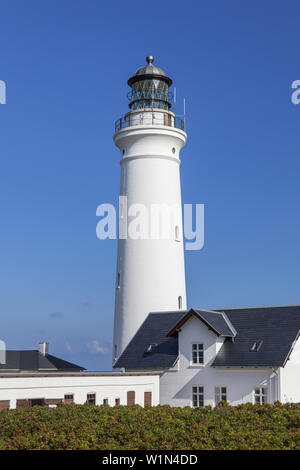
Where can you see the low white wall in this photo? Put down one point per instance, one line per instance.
(104, 386)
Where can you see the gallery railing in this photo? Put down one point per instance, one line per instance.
(149, 118)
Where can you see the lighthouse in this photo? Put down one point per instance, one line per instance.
(150, 273)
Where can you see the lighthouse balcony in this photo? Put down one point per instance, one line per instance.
(149, 117)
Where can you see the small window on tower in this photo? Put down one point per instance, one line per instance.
(180, 302)
(118, 280)
(177, 237)
(173, 150)
(123, 151)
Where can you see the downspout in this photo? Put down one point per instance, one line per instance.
(277, 383)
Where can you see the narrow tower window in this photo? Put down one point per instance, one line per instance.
(177, 238)
(180, 302)
(118, 280)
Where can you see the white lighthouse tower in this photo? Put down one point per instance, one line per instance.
(150, 265)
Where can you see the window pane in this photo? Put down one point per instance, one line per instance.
(197, 395)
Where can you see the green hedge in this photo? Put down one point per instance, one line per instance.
(161, 427)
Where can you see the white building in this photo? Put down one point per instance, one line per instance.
(29, 378)
(240, 355)
(113, 389)
(175, 356)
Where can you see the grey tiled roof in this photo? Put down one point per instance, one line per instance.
(152, 332)
(274, 328)
(34, 361)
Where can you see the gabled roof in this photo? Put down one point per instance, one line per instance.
(273, 329)
(164, 351)
(216, 321)
(35, 361)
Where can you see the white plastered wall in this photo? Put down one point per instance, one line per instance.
(150, 272)
(176, 387)
(290, 377)
(111, 387)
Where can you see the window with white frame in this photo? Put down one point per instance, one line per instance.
(197, 353)
(197, 395)
(220, 394)
(260, 395)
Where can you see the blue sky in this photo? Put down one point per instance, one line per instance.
(66, 65)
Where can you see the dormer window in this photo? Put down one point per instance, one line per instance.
(151, 347)
(256, 345)
(197, 354)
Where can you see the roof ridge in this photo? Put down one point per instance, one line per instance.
(207, 310)
(256, 307)
(169, 311)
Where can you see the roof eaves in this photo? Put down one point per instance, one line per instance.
(291, 349)
(206, 322)
(174, 330)
(226, 319)
(229, 324)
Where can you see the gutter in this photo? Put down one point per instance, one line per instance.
(278, 391)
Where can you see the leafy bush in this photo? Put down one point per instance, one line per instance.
(161, 427)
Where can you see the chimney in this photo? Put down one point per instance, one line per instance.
(43, 348)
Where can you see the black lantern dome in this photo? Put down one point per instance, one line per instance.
(150, 87)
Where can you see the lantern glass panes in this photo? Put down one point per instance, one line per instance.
(149, 94)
